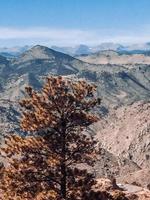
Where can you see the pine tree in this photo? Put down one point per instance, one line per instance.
(45, 164)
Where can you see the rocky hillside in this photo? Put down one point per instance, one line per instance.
(30, 67)
(125, 92)
(117, 85)
(124, 191)
(125, 133)
(114, 57)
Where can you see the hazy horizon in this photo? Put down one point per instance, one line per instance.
(70, 46)
(73, 22)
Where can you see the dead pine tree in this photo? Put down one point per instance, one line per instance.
(45, 164)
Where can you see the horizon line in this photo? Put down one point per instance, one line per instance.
(10, 36)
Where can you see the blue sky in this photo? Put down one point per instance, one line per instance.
(72, 22)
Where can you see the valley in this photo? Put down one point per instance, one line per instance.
(123, 84)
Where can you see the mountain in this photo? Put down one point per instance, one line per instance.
(141, 48)
(32, 65)
(114, 57)
(3, 60)
(7, 55)
(125, 93)
(125, 133)
(76, 50)
(107, 46)
(130, 126)
(13, 51)
(44, 60)
(4, 67)
(84, 49)
(117, 84)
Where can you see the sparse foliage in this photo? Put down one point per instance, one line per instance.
(43, 164)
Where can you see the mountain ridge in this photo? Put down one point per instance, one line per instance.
(120, 87)
(40, 61)
(82, 49)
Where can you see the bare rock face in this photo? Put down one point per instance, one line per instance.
(125, 136)
(126, 132)
(111, 165)
(139, 178)
(123, 192)
(140, 195)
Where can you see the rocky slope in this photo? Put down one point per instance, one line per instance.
(31, 66)
(114, 57)
(117, 84)
(122, 191)
(139, 178)
(125, 92)
(125, 133)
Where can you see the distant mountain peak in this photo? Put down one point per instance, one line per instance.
(38, 52)
(41, 48)
(43, 60)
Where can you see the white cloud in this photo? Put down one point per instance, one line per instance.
(51, 36)
(62, 36)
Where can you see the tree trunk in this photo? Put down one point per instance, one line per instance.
(63, 164)
(63, 181)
